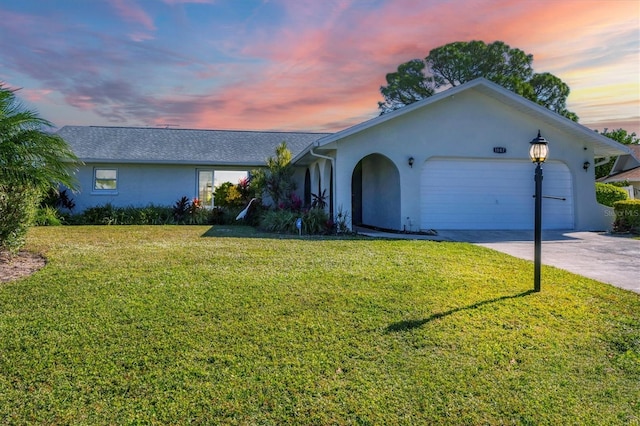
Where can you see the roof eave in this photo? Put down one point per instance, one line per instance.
(174, 162)
(317, 146)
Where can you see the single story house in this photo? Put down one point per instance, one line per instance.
(456, 160)
(626, 168)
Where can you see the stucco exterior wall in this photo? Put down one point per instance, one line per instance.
(467, 125)
(140, 185)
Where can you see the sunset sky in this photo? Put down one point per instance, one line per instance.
(312, 65)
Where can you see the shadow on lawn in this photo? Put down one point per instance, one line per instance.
(245, 231)
(411, 324)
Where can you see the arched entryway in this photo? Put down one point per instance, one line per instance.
(375, 193)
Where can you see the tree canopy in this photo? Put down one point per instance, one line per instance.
(277, 179)
(457, 63)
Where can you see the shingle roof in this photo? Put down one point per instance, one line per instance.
(635, 150)
(632, 174)
(180, 146)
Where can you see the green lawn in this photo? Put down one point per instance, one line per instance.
(175, 325)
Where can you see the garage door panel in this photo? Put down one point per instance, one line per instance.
(492, 194)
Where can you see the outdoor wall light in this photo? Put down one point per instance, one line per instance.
(538, 152)
(411, 162)
(586, 165)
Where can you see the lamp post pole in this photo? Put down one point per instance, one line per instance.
(538, 153)
(537, 231)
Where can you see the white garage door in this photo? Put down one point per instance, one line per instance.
(493, 194)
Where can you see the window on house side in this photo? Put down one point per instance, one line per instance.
(205, 187)
(105, 179)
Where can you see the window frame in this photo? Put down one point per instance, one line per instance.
(96, 190)
(198, 194)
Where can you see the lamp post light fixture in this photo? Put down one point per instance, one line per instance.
(538, 153)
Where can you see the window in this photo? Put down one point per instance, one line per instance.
(233, 176)
(209, 180)
(205, 187)
(105, 179)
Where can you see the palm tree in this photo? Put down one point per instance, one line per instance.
(32, 161)
(28, 154)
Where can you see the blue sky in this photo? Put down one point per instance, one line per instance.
(294, 64)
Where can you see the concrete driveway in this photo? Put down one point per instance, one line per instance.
(613, 259)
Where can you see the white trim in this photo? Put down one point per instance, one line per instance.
(105, 191)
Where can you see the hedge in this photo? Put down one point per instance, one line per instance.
(608, 194)
(627, 216)
(18, 208)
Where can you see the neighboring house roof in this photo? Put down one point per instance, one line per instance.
(95, 144)
(630, 175)
(627, 161)
(603, 146)
(635, 150)
(626, 167)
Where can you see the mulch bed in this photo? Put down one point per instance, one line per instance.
(19, 265)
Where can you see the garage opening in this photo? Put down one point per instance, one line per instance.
(493, 194)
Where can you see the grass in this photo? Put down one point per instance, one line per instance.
(174, 325)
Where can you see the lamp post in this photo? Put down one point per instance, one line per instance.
(538, 154)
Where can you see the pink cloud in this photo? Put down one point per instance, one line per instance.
(36, 95)
(317, 65)
(326, 76)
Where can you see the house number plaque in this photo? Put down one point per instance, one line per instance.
(499, 149)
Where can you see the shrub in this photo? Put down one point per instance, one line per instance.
(276, 180)
(99, 215)
(230, 195)
(18, 207)
(183, 212)
(47, 216)
(608, 194)
(291, 202)
(319, 200)
(58, 199)
(149, 215)
(110, 215)
(281, 221)
(190, 212)
(181, 209)
(314, 222)
(217, 216)
(627, 216)
(341, 221)
(227, 216)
